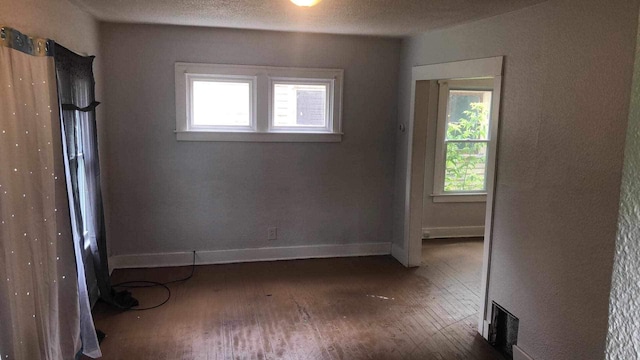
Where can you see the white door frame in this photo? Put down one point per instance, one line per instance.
(411, 254)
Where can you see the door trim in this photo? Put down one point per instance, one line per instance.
(411, 253)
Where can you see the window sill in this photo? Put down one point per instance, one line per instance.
(459, 198)
(257, 137)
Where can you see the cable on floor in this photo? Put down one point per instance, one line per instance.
(137, 284)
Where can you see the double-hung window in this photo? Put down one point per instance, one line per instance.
(464, 140)
(258, 103)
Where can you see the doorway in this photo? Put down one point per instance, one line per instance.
(433, 86)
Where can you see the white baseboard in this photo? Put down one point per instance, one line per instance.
(452, 232)
(485, 329)
(518, 354)
(247, 255)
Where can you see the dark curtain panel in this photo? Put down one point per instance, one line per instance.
(76, 92)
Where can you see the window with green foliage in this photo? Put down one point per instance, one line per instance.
(464, 141)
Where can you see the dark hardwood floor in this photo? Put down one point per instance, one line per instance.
(349, 308)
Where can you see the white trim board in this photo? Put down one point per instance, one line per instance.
(400, 254)
(208, 257)
(452, 232)
(518, 354)
(474, 68)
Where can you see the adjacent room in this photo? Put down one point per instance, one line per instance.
(319, 179)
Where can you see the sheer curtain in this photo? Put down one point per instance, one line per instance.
(39, 303)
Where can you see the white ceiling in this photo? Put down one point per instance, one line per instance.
(361, 17)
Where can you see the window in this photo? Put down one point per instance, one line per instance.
(464, 141)
(221, 104)
(80, 164)
(300, 105)
(257, 103)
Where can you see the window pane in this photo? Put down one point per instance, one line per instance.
(465, 167)
(221, 103)
(468, 114)
(299, 105)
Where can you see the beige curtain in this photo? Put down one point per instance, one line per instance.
(39, 315)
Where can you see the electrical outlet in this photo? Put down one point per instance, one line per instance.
(272, 234)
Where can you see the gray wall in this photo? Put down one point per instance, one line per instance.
(624, 319)
(565, 101)
(440, 216)
(180, 196)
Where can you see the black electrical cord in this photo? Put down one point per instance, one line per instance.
(147, 284)
(137, 284)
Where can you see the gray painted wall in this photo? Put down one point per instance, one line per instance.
(623, 341)
(171, 196)
(565, 102)
(440, 215)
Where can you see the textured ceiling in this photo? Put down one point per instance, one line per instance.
(362, 17)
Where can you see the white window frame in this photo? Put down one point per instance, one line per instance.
(329, 83)
(262, 79)
(439, 194)
(251, 80)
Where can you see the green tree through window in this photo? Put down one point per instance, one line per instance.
(466, 146)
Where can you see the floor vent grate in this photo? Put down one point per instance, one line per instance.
(503, 333)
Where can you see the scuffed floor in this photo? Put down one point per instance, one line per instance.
(350, 308)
